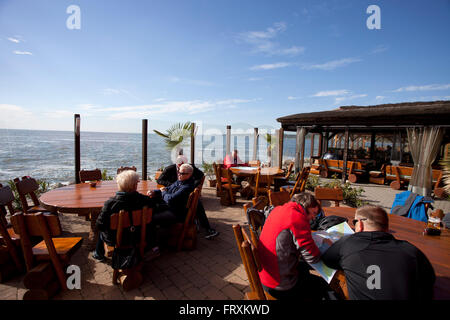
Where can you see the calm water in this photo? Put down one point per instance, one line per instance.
(49, 155)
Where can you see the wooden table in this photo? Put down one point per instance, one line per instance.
(84, 200)
(436, 248)
(267, 172)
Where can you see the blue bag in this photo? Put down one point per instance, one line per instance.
(410, 205)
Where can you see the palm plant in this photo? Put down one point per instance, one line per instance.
(176, 134)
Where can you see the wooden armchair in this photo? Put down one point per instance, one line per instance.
(10, 253)
(119, 170)
(27, 187)
(226, 190)
(130, 278)
(281, 181)
(90, 175)
(250, 259)
(56, 250)
(255, 221)
(184, 235)
(279, 198)
(331, 194)
(262, 183)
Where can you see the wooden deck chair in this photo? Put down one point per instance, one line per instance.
(184, 235)
(130, 278)
(300, 182)
(27, 187)
(332, 194)
(90, 175)
(119, 170)
(250, 259)
(10, 254)
(262, 183)
(226, 190)
(278, 198)
(57, 250)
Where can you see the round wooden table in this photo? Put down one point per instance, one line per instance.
(84, 200)
(436, 248)
(251, 171)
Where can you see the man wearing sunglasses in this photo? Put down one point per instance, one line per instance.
(376, 265)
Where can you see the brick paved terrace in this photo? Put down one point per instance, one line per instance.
(212, 271)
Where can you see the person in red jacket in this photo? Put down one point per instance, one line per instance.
(232, 160)
(286, 246)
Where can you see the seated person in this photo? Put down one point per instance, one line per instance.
(127, 198)
(170, 175)
(233, 160)
(285, 247)
(404, 271)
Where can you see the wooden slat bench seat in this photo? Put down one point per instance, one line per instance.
(354, 168)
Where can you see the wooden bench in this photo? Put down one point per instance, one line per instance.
(354, 168)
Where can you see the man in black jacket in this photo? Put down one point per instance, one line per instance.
(127, 198)
(170, 176)
(376, 265)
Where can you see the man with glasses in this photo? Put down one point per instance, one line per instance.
(170, 175)
(376, 265)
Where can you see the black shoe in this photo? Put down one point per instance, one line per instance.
(98, 257)
(211, 233)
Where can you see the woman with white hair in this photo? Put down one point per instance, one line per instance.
(126, 198)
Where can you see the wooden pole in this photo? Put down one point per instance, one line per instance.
(372, 145)
(320, 144)
(193, 143)
(144, 148)
(312, 145)
(280, 147)
(255, 144)
(228, 139)
(344, 169)
(77, 147)
(247, 146)
(300, 149)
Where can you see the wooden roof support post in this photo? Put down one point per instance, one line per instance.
(255, 144)
(372, 145)
(320, 144)
(77, 121)
(344, 169)
(280, 147)
(312, 147)
(300, 149)
(228, 139)
(144, 148)
(193, 143)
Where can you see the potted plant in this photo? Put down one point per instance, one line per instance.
(209, 172)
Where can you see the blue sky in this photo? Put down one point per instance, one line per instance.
(213, 62)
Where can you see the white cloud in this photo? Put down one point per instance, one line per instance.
(293, 98)
(191, 82)
(255, 79)
(23, 52)
(270, 66)
(13, 40)
(331, 65)
(331, 93)
(14, 116)
(341, 99)
(379, 97)
(59, 114)
(379, 49)
(262, 41)
(110, 91)
(424, 88)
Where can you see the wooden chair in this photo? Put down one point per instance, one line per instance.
(281, 181)
(57, 250)
(254, 163)
(119, 170)
(262, 183)
(438, 181)
(332, 194)
(226, 190)
(300, 182)
(90, 175)
(250, 259)
(255, 222)
(10, 254)
(279, 198)
(27, 187)
(378, 176)
(130, 278)
(184, 235)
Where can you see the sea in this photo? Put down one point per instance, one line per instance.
(49, 155)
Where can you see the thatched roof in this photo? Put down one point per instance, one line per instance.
(384, 115)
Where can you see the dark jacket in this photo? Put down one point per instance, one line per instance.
(176, 197)
(121, 201)
(405, 272)
(169, 175)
